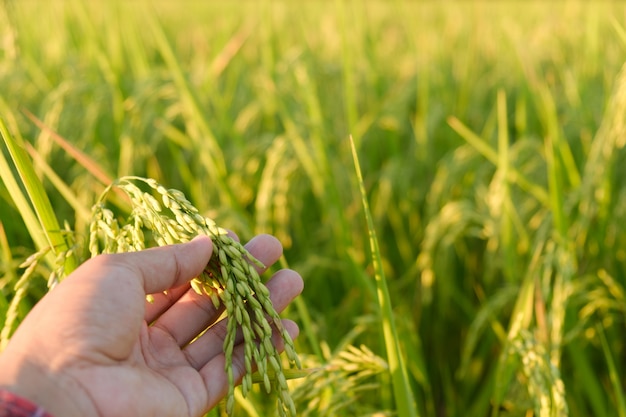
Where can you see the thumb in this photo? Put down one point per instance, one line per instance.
(165, 267)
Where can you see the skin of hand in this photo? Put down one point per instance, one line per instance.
(93, 346)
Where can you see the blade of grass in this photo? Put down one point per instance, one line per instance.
(405, 404)
(555, 132)
(8, 277)
(347, 55)
(16, 193)
(613, 374)
(305, 318)
(81, 211)
(84, 160)
(555, 186)
(492, 156)
(209, 149)
(48, 223)
(21, 202)
(556, 151)
(592, 389)
(88, 163)
(506, 227)
(230, 50)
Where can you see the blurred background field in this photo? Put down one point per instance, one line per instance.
(490, 136)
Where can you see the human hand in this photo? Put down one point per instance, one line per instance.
(94, 347)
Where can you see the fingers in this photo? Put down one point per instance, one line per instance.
(265, 247)
(162, 301)
(191, 313)
(284, 286)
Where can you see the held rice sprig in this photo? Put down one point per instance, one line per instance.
(230, 278)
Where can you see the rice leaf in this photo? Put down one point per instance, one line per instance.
(48, 224)
(616, 383)
(403, 395)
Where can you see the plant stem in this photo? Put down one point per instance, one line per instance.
(399, 377)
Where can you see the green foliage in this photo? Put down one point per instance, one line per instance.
(491, 141)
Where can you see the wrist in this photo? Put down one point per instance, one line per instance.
(14, 405)
(54, 394)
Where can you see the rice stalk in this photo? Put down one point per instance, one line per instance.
(272, 197)
(403, 395)
(503, 206)
(229, 279)
(306, 321)
(12, 183)
(39, 201)
(6, 263)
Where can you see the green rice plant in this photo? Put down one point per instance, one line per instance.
(230, 278)
(614, 377)
(513, 208)
(35, 208)
(339, 385)
(55, 246)
(404, 400)
(541, 378)
(532, 348)
(210, 152)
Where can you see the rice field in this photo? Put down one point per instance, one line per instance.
(491, 277)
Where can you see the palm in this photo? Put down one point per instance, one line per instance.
(156, 370)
